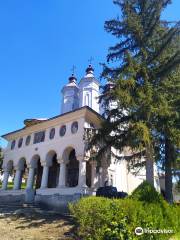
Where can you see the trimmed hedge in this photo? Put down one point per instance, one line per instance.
(100, 218)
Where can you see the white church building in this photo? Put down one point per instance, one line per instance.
(50, 154)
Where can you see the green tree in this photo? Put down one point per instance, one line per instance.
(143, 60)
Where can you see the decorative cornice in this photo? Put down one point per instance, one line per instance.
(66, 117)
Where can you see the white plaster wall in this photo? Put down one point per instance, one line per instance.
(58, 144)
(89, 86)
(127, 180)
(70, 100)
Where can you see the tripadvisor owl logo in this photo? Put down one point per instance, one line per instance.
(139, 231)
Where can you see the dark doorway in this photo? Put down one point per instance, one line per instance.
(72, 170)
(53, 173)
(38, 176)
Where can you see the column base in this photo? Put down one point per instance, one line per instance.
(82, 186)
(29, 195)
(61, 186)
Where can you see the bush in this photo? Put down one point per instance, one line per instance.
(116, 219)
(147, 193)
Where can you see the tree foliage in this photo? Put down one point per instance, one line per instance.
(141, 98)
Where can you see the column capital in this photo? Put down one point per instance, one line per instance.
(16, 167)
(82, 158)
(30, 166)
(44, 164)
(60, 160)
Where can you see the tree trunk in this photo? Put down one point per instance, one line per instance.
(168, 171)
(149, 165)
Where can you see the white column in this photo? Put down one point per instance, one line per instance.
(30, 180)
(17, 180)
(82, 172)
(62, 175)
(5, 180)
(93, 174)
(44, 181)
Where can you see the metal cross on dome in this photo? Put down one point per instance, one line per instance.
(73, 69)
(90, 60)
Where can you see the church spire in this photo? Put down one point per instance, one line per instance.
(72, 78)
(89, 90)
(70, 94)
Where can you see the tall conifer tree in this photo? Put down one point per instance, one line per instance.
(143, 61)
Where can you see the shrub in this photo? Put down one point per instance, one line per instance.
(116, 219)
(147, 193)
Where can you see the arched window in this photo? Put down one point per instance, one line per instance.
(86, 100)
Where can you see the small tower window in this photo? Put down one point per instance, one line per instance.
(86, 100)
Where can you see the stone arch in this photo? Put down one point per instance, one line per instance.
(9, 166)
(8, 170)
(49, 156)
(35, 163)
(22, 168)
(21, 163)
(54, 168)
(72, 167)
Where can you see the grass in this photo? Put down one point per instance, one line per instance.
(176, 236)
(11, 184)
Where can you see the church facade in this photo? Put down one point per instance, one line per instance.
(50, 154)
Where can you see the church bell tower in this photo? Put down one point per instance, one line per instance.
(70, 92)
(89, 90)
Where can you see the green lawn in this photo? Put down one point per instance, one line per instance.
(11, 184)
(176, 237)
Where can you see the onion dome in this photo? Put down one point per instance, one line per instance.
(90, 70)
(72, 79)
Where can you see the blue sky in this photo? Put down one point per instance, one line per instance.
(39, 43)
